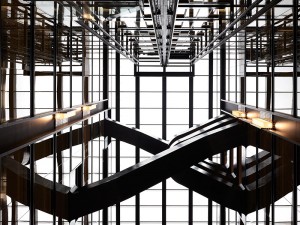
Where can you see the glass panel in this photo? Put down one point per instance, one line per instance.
(251, 89)
(44, 56)
(262, 92)
(283, 94)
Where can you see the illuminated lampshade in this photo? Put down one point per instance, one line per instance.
(65, 114)
(88, 16)
(262, 123)
(239, 114)
(89, 107)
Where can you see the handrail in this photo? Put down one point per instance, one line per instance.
(20, 133)
(285, 126)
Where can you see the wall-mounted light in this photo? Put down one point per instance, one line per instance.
(62, 116)
(65, 114)
(238, 113)
(262, 123)
(88, 16)
(89, 107)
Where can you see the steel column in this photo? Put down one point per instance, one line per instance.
(272, 42)
(32, 58)
(118, 99)
(137, 150)
(164, 136)
(295, 56)
(105, 96)
(295, 106)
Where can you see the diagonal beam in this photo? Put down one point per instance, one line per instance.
(223, 35)
(117, 46)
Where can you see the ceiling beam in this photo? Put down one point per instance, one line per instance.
(163, 15)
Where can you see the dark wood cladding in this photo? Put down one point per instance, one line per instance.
(262, 140)
(289, 128)
(286, 127)
(44, 189)
(140, 177)
(20, 133)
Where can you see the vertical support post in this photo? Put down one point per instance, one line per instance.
(239, 156)
(12, 88)
(222, 97)
(71, 81)
(210, 84)
(295, 186)
(105, 174)
(100, 96)
(273, 186)
(269, 78)
(272, 60)
(257, 196)
(191, 112)
(32, 112)
(54, 150)
(222, 70)
(85, 90)
(32, 215)
(105, 96)
(256, 65)
(2, 105)
(32, 58)
(54, 140)
(137, 113)
(92, 119)
(137, 150)
(191, 122)
(273, 189)
(71, 55)
(164, 136)
(295, 106)
(12, 100)
(236, 68)
(244, 79)
(86, 43)
(210, 104)
(118, 113)
(105, 63)
(239, 165)
(3, 63)
(3, 201)
(295, 57)
(257, 131)
(58, 26)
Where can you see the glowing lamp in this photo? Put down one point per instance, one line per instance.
(65, 114)
(88, 16)
(239, 114)
(89, 107)
(262, 123)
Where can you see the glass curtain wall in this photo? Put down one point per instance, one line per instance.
(47, 66)
(51, 62)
